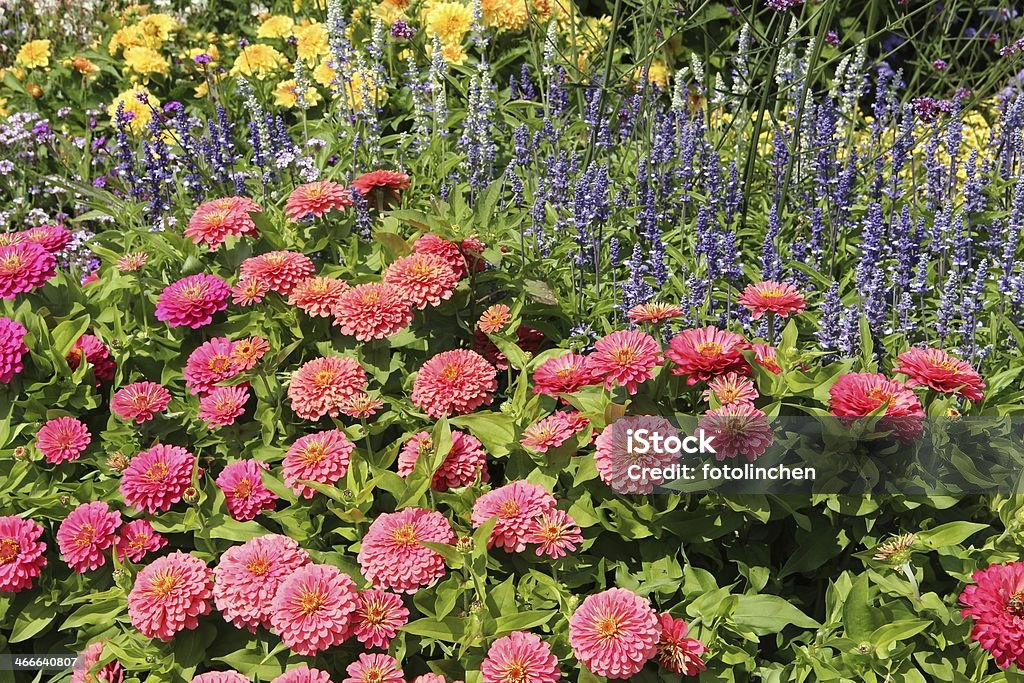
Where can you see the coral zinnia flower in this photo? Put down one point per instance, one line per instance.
(137, 538)
(562, 375)
(90, 529)
(322, 457)
(215, 220)
(995, 601)
(281, 271)
(96, 354)
(626, 357)
(494, 318)
(318, 296)
(552, 431)
(392, 182)
(703, 353)
(303, 674)
(520, 657)
(170, 595)
(312, 608)
(517, 506)
(249, 291)
(614, 457)
(422, 279)
(653, 313)
(210, 364)
(555, 532)
(23, 267)
(454, 383)
(449, 251)
(157, 478)
(110, 672)
(316, 199)
(320, 386)
(373, 310)
(738, 429)
(858, 394)
(780, 298)
(361, 405)
(243, 488)
(375, 668)
(22, 554)
(247, 352)
(140, 401)
(192, 301)
(248, 576)
(764, 355)
(12, 348)
(936, 369)
(464, 461)
(731, 388)
(52, 238)
(614, 633)
(222, 405)
(221, 677)
(378, 618)
(129, 263)
(391, 556)
(676, 652)
(63, 439)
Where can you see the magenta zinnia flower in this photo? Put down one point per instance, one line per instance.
(936, 369)
(303, 674)
(170, 595)
(555, 533)
(222, 405)
(614, 633)
(96, 354)
(374, 668)
(210, 364)
(422, 279)
(157, 478)
(243, 488)
(391, 555)
(90, 529)
(12, 348)
(464, 461)
(22, 554)
(377, 619)
(63, 439)
(86, 671)
(322, 457)
(614, 457)
(393, 182)
(312, 608)
(321, 386)
(248, 576)
(136, 539)
(23, 267)
(676, 652)
(53, 238)
(454, 383)
(707, 352)
(192, 301)
(995, 601)
(738, 428)
(374, 310)
(140, 401)
(520, 657)
(517, 506)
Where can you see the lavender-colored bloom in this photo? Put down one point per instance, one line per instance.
(771, 264)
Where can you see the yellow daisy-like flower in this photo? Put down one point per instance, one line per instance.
(258, 61)
(657, 73)
(157, 28)
(311, 42)
(450, 21)
(141, 113)
(453, 53)
(276, 26)
(145, 61)
(285, 95)
(211, 50)
(508, 15)
(34, 54)
(400, 5)
(324, 74)
(125, 37)
(387, 12)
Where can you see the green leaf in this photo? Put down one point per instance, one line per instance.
(952, 533)
(764, 614)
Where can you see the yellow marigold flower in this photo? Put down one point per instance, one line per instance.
(258, 60)
(387, 12)
(34, 54)
(202, 90)
(508, 15)
(208, 50)
(18, 73)
(276, 26)
(285, 95)
(453, 53)
(157, 28)
(657, 73)
(324, 74)
(126, 36)
(145, 60)
(311, 42)
(141, 113)
(398, 5)
(450, 21)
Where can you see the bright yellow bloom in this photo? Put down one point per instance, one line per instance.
(387, 12)
(145, 61)
(450, 21)
(276, 26)
(141, 113)
(657, 73)
(286, 96)
(34, 54)
(453, 53)
(400, 5)
(324, 74)
(211, 50)
(258, 60)
(311, 42)
(157, 28)
(509, 15)
(3, 107)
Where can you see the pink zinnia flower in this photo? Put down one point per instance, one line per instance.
(23, 267)
(140, 401)
(614, 457)
(422, 279)
(676, 652)
(303, 674)
(858, 394)
(222, 405)
(626, 358)
(247, 352)
(316, 199)
(157, 478)
(22, 554)
(562, 375)
(247, 578)
(373, 310)
(243, 488)
(192, 301)
(221, 677)
(520, 657)
(517, 506)
(96, 354)
(654, 313)
(494, 319)
(449, 251)
(995, 601)
(454, 383)
(209, 365)
(249, 290)
(280, 270)
(552, 431)
(12, 348)
(361, 405)
(320, 386)
(731, 388)
(322, 457)
(216, 220)
(377, 619)
(170, 595)
(318, 296)
(464, 461)
(614, 633)
(52, 238)
(764, 355)
(780, 298)
(90, 529)
(431, 678)
(136, 539)
(63, 439)
(391, 555)
(312, 608)
(392, 182)
(738, 429)
(131, 262)
(936, 369)
(86, 671)
(374, 668)
(555, 532)
(707, 352)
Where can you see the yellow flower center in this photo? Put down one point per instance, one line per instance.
(313, 453)
(157, 471)
(9, 550)
(163, 584)
(84, 536)
(709, 349)
(310, 602)
(509, 508)
(258, 566)
(608, 627)
(243, 489)
(404, 535)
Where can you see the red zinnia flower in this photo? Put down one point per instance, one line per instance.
(422, 279)
(374, 310)
(764, 355)
(23, 267)
(192, 301)
(995, 601)
(562, 375)
(316, 199)
(215, 220)
(626, 357)
(858, 394)
(780, 298)
(140, 401)
(392, 182)
(703, 353)
(676, 652)
(454, 383)
(738, 428)
(63, 439)
(281, 271)
(936, 369)
(654, 313)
